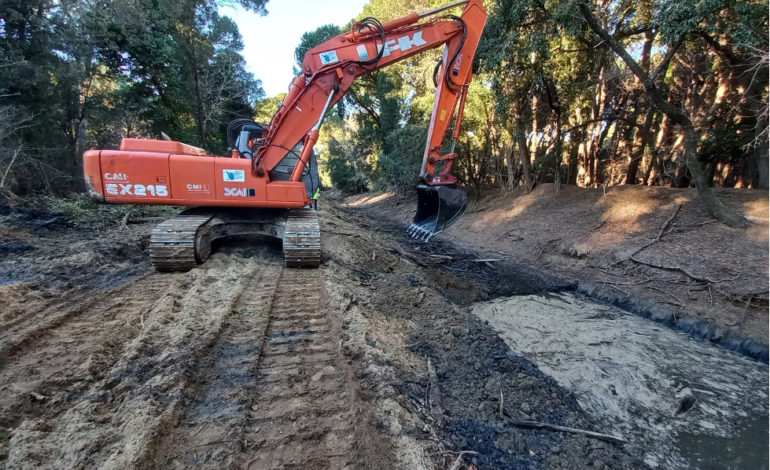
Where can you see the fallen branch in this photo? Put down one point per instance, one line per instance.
(618, 288)
(124, 220)
(501, 401)
(634, 283)
(661, 232)
(433, 395)
(667, 222)
(700, 224)
(675, 269)
(680, 303)
(446, 257)
(510, 233)
(459, 460)
(554, 427)
(485, 260)
(409, 256)
(8, 168)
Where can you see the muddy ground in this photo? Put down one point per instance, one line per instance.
(379, 359)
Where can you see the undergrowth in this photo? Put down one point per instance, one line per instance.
(81, 210)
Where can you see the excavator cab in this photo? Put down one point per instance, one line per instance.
(438, 207)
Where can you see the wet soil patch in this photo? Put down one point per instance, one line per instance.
(645, 382)
(10, 247)
(35, 219)
(465, 275)
(468, 276)
(457, 395)
(696, 327)
(474, 369)
(65, 256)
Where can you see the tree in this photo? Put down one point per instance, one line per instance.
(674, 113)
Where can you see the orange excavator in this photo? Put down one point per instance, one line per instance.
(267, 184)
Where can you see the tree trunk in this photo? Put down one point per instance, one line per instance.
(558, 152)
(716, 207)
(654, 167)
(644, 140)
(508, 152)
(199, 115)
(80, 146)
(762, 161)
(521, 145)
(574, 156)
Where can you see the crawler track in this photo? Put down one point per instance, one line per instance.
(210, 430)
(178, 244)
(302, 239)
(60, 352)
(273, 391)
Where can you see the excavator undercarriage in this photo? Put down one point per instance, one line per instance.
(180, 243)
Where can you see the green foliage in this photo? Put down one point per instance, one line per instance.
(745, 22)
(84, 211)
(401, 162)
(547, 91)
(88, 73)
(576, 106)
(266, 107)
(346, 172)
(313, 38)
(379, 136)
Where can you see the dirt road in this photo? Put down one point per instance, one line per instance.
(235, 363)
(379, 359)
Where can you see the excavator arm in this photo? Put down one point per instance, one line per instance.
(329, 70)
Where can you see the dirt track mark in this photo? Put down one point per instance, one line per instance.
(32, 324)
(61, 349)
(301, 415)
(116, 417)
(210, 432)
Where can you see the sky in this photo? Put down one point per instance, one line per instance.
(269, 41)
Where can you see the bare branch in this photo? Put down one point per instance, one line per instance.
(672, 49)
(7, 170)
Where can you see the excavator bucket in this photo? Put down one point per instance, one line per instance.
(438, 207)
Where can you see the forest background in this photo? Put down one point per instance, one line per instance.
(587, 93)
